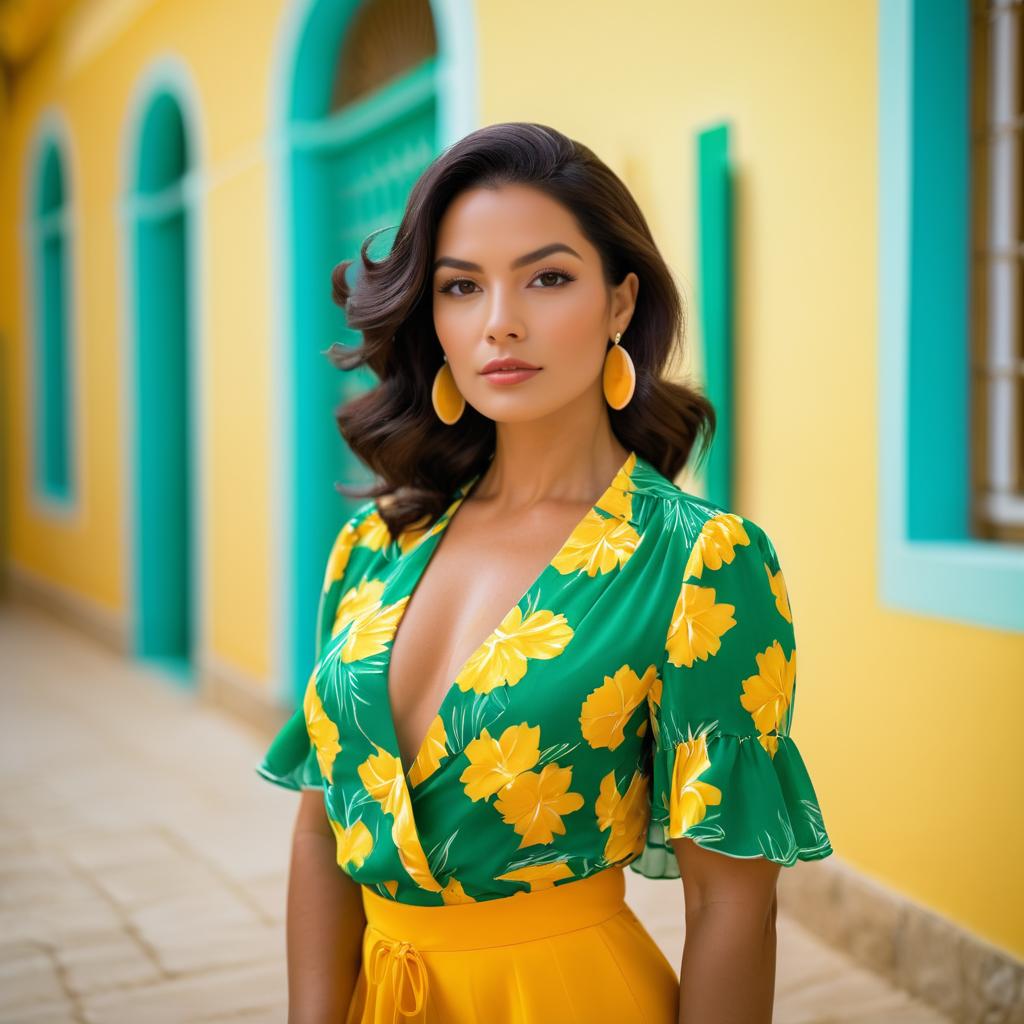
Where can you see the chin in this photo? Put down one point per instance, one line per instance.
(521, 410)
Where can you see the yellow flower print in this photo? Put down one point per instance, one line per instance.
(356, 602)
(619, 499)
(323, 733)
(538, 876)
(337, 560)
(534, 802)
(413, 534)
(382, 775)
(608, 708)
(410, 852)
(354, 843)
(453, 893)
(435, 749)
(373, 625)
(767, 695)
(373, 532)
(391, 885)
(494, 763)
(599, 544)
(778, 584)
(698, 625)
(626, 816)
(653, 704)
(501, 660)
(769, 742)
(716, 544)
(418, 530)
(689, 798)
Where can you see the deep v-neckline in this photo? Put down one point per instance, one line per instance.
(418, 561)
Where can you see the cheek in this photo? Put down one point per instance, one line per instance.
(575, 355)
(575, 314)
(445, 322)
(573, 330)
(456, 331)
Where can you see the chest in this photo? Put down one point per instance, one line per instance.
(475, 574)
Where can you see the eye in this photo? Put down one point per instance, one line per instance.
(449, 286)
(555, 273)
(453, 284)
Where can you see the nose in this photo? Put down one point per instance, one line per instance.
(504, 322)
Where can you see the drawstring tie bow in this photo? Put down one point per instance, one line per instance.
(408, 972)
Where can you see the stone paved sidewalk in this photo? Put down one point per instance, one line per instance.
(143, 862)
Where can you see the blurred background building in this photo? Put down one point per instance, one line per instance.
(837, 187)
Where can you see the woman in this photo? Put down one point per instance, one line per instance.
(480, 768)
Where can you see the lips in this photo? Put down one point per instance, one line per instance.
(499, 365)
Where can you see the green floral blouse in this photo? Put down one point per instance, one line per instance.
(642, 688)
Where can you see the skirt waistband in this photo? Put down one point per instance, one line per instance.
(520, 917)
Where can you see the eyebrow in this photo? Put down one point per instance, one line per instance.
(519, 261)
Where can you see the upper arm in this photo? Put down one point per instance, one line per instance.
(312, 814)
(710, 878)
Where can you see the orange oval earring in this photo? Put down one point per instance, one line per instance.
(619, 379)
(445, 395)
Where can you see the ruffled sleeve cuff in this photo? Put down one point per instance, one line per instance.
(744, 796)
(291, 760)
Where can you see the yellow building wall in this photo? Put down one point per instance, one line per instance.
(908, 724)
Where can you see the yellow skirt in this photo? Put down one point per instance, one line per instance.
(570, 953)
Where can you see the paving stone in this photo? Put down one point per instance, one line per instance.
(205, 996)
(106, 960)
(58, 923)
(852, 995)
(28, 976)
(217, 944)
(50, 1012)
(49, 881)
(97, 848)
(135, 885)
(269, 895)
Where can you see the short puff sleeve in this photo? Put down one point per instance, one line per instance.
(724, 770)
(302, 753)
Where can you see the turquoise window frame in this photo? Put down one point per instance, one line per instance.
(929, 563)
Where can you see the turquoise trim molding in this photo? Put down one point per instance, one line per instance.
(52, 317)
(715, 277)
(928, 561)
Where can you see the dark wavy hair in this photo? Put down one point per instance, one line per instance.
(393, 427)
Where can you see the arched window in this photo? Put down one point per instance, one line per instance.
(385, 40)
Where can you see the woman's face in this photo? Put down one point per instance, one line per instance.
(514, 277)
